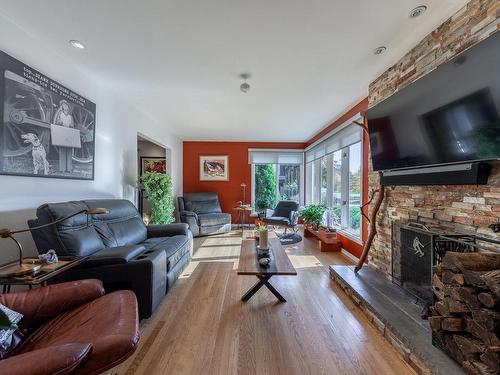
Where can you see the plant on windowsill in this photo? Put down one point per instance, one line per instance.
(159, 192)
(313, 215)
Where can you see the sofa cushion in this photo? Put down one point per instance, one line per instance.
(207, 220)
(114, 255)
(108, 323)
(203, 207)
(80, 241)
(122, 232)
(175, 247)
(276, 220)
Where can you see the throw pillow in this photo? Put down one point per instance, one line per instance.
(10, 337)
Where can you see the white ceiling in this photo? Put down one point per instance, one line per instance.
(179, 60)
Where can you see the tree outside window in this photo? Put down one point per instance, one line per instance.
(265, 186)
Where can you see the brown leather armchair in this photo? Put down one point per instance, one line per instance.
(72, 328)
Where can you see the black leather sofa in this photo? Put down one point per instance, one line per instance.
(123, 252)
(202, 212)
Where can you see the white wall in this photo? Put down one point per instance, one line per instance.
(117, 125)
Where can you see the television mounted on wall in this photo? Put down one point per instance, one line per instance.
(449, 116)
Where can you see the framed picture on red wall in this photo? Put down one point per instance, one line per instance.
(214, 168)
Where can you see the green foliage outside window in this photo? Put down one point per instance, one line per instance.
(158, 191)
(354, 215)
(265, 186)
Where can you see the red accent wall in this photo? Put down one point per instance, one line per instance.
(230, 192)
(352, 246)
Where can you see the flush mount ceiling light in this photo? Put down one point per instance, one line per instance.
(418, 11)
(245, 87)
(379, 50)
(77, 44)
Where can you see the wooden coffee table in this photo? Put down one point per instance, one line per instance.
(249, 265)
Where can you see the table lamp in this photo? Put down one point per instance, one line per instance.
(22, 267)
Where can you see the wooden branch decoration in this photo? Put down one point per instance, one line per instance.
(373, 227)
(367, 203)
(372, 220)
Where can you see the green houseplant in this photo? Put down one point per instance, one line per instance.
(159, 192)
(313, 214)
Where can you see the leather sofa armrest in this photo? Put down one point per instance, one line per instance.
(114, 255)
(42, 304)
(61, 359)
(185, 213)
(167, 230)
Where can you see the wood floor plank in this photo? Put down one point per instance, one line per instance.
(202, 327)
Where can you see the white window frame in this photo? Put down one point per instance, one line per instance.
(313, 192)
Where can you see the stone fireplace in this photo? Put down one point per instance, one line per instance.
(467, 209)
(405, 254)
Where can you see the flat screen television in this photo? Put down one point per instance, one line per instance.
(451, 115)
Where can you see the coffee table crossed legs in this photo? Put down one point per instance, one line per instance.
(263, 281)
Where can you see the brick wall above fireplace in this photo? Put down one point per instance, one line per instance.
(463, 209)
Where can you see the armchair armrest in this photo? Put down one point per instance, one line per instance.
(167, 230)
(61, 359)
(42, 304)
(185, 213)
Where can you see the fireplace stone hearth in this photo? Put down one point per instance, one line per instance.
(397, 315)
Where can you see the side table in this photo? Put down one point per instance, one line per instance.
(241, 215)
(47, 272)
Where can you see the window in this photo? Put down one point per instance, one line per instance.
(324, 181)
(264, 186)
(333, 173)
(289, 182)
(336, 199)
(275, 182)
(354, 225)
(276, 175)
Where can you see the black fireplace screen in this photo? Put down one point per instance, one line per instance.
(418, 251)
(416, 262)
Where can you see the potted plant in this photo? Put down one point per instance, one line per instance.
(159, 192)
(313, 215)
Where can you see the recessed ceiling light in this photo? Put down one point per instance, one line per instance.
(418, 11)
(379, 50)
(77, 44)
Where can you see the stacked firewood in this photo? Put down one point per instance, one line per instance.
(465, 317)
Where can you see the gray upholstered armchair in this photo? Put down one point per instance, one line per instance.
(286, 214)
(202, 212)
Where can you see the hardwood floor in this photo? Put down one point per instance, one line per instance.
(202, 327)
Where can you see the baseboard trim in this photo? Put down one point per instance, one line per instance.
(349, 255)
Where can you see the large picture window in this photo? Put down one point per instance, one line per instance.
(276, 176)
(333, 178)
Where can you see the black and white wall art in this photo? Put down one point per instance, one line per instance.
(47, 130)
